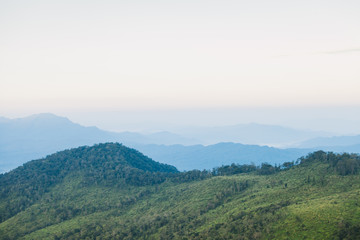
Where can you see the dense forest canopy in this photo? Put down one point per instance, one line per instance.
(145, 199)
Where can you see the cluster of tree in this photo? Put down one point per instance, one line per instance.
(233, 169)
(263, 169)
(343, 164)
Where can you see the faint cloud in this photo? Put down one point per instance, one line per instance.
(281, 56)
(341, 51)
(350, 50)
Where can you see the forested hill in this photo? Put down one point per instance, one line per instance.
(109, 191)
(102, 162)
(109, 164)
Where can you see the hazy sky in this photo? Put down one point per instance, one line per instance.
(88, 56)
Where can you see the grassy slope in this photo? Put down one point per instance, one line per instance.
(315, 204)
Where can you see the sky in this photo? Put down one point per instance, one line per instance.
(83, 58)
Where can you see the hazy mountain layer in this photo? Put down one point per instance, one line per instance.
(337, 141)
(207, 157)
(252, 133)
(25, 139)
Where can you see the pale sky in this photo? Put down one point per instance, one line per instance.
(58, 56)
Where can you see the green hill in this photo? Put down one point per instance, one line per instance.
(109, 191)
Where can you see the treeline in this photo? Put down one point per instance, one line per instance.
(343, 164)
(263, 169)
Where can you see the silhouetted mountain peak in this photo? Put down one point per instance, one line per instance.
(47, 118)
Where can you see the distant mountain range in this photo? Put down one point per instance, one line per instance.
(36, 136)
(207, 157)
(336, 141)
(251, 133)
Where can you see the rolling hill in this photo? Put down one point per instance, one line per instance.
(109, 191)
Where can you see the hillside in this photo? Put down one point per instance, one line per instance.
(108, 164)
(88, 193)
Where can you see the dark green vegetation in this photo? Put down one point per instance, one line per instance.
(112, 192)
